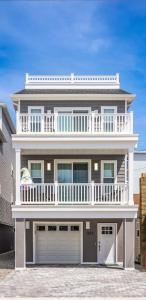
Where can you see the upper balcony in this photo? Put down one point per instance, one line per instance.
(75, 123)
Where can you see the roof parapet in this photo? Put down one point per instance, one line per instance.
(72, 81)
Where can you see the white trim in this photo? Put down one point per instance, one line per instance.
(64, 109)
(115, 238)
(53, 222)
(74, 212)
(115, 169)
(42, 167)
(109, 107)
(35, 107)
(75, 97)
(71, 161)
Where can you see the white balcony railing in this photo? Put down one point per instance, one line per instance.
(75, 123)
(74, 194)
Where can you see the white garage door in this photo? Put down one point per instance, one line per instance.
(58, 243)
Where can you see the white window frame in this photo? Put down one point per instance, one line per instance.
(108, 107)
(42, 113)
(42, 167)
(115, 169)
(71, 161)
(65, 109)
(35, 107)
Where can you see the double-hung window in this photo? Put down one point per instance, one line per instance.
(36, 118)
(36, 169)
(109, 171)
(108, 118)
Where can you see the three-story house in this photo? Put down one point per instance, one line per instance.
(74, 149)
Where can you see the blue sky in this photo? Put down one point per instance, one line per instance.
(84, 37)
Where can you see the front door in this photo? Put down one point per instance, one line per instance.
(106, 241)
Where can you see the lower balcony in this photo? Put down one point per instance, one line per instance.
(74, 194)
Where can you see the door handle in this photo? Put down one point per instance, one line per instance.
(99, 245)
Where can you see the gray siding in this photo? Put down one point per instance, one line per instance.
(49, 105)
(95, 175)
(90, 239)
(20, 243)
(6, 180)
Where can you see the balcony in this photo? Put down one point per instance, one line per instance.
(64, 123)
(74, 194)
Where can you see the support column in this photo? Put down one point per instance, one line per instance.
(128, 243)
(18, 168)
(20, 244)
(124, 243)
(130, 175)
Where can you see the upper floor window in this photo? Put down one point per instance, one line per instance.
(35, 118)
(109, 171)
(109, 118)
(36, 170)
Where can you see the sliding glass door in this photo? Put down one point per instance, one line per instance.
(71, 178)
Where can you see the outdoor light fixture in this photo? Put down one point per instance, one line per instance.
(48, 166)
(87, 225)
(96, 166)
(27, 225)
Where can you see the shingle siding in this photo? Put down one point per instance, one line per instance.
(95, 175)
(49, 105)
(6, 180)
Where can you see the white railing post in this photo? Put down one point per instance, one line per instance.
(131, 122)
(130, 176)
(18, 127)
(56, 192)
(92, 192)
(56, 120)
(18, 169)
(92, 121)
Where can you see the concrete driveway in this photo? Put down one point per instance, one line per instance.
(73, 281)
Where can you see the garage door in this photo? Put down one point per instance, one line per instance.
(58, 243)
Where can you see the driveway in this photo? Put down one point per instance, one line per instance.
(73, 281)
(6, 263)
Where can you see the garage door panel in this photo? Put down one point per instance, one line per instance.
(58, 246)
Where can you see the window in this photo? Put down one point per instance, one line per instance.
(107, 230)
(68, 172)
(41, 227)
(74, 228)
(36, 171)
(35, 119)
(109, 171)
(63, 228)
(52, 228)
(108, 120)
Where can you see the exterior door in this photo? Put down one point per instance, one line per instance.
(109, 120)
(76, 173)
(106, 241)
(58, 243)
(36, 121)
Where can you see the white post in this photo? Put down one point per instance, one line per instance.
(130, 175)
(124, 244)
(92, 121)
(18, 122)
(92, 192)
(56, 193)
(18, 168)
(131, 122)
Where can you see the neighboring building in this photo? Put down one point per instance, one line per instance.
(75, 136)
(6, 180)
(139, 168)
